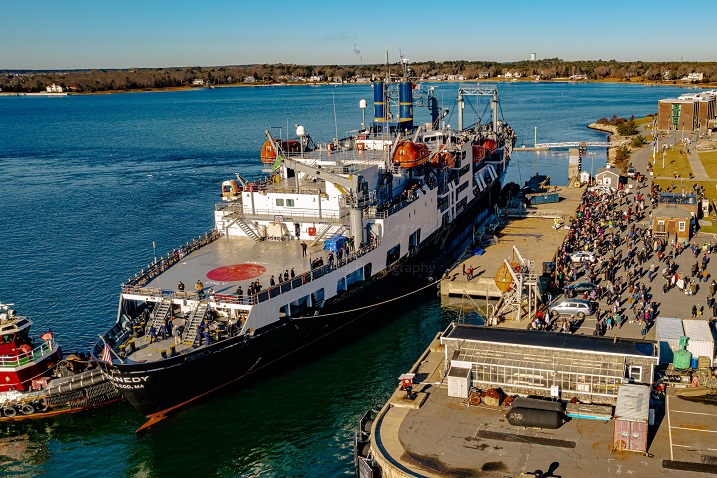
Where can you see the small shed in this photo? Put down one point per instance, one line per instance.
(673, 222)
(632, 414)
(459, 382)
(668, 331)
(701, 343)
(608, 177)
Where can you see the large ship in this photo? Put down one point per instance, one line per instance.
(335, 231)
(37, 380)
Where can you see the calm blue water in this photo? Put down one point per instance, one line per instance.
(89, 182)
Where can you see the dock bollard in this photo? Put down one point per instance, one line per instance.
(163, 353)
(172, 350)
(130, 345)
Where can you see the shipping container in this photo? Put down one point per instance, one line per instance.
(702, 342)
(668, 331)
(632, 414)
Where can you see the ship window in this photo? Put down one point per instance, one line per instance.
(284, 310)
(636, 373)
(279, 202)
(341, 285)
(682, 226)
(355, 276)
(289, 203)
(367, 271)
(393, 254)
(319, 295)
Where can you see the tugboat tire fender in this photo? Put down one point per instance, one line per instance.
(9, 411)
(41, 405)
(27, 409)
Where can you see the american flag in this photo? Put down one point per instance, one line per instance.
(106, 353)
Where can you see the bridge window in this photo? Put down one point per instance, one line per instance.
(279, 202)
(289, 203)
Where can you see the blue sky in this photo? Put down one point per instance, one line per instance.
(40, 34)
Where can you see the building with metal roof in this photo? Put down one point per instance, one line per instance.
(548, 363)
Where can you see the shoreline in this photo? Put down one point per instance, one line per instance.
(326, 83)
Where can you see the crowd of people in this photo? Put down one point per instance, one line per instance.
(627, 260)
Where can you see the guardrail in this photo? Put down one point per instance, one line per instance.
(13, 361)
(164, 263)
(263, 295)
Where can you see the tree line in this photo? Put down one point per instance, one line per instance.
(99, 80)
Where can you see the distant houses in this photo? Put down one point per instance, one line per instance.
(693, 77)
(55, 88)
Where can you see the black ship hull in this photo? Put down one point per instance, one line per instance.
(158, 387)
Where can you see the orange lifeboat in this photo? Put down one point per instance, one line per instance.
(409, 154)
(478, 154)
(503, 278)
(489, 145)
(442, 159)
(268, 154)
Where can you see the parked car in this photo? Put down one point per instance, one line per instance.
(602, 189)
(583, 256)
(573, 289)
(566, 306)
(632, 172)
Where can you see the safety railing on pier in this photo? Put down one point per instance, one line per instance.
(13, 361)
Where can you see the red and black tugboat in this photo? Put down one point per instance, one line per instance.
(37, 381)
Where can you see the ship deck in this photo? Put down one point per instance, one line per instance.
(235, 259)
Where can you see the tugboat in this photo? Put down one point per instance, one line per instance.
(37, 381)
(337, 230)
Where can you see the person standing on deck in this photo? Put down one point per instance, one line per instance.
(163, 330)
(177, 335)
(240, 293)
(303, 248)
(200, 288)
(180, 286)
(152, 334)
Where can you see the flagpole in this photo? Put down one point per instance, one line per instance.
(113, 352)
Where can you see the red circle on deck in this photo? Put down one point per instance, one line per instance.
(236, 272)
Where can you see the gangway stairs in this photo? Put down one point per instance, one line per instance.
(525, 282)
(191, 327)
(160, 313)
(322, 232)
(241, 220)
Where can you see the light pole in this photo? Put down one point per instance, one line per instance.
(683, 132)
(362, 105)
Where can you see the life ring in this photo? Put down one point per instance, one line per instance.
(27, 409)
(360, 146)
(9, 412)
(620, 445)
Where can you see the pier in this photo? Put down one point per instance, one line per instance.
(531, 230)
(440, 432)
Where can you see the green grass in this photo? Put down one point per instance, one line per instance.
(674, 163)
(709, 161)
(645, 120)
(710, 188)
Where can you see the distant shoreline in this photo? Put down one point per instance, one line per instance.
(326, 83)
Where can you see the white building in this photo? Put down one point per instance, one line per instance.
(693, 77)
(55, 88)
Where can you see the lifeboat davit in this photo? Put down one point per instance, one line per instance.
(409, 154)
(442, 159)
(503, 278)
(478, 153)
(268, 154)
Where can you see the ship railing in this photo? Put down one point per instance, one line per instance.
(280, 215)
(298, 281)
(264, 294)
(162, 264)
(13, 361)
(384, 212)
